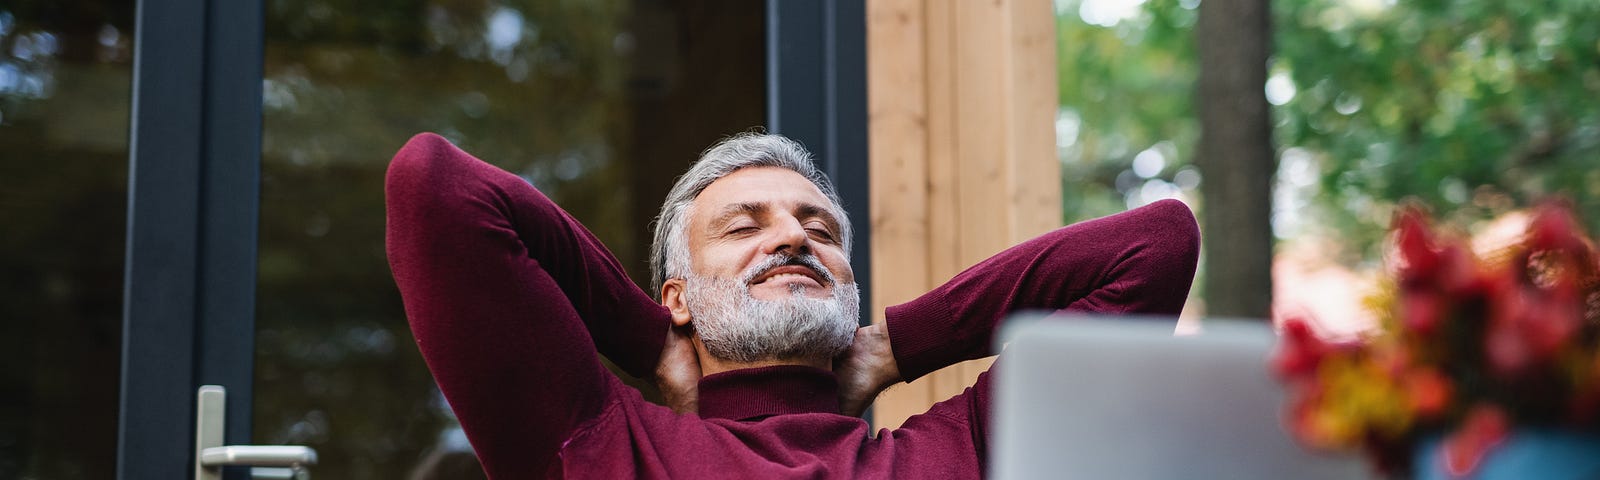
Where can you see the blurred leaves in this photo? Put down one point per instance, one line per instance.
(1472, 106)
(1125, 89)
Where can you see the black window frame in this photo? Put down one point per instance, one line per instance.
(193, 202)
(817, 95)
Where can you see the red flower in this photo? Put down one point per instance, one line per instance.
(1537, 305)
(1419, 258)
(1299, 351)
(1435, 274)
(1484, 429)
(1529, 311)
(1553, 228)
(1421, 311)
(1508, 352)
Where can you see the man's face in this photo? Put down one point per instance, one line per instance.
(769, 278)
(744, 218)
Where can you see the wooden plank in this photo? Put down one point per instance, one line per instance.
(1036, 202)
(981, 155)
(898, 142)
(940, 37)
(897, 117)
(984, 155)
(943, 188)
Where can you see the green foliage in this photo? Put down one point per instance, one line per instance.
(1125, 88)
(1473, 107)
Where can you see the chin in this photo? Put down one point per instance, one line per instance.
(735, 323)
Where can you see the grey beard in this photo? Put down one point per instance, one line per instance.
(737, 327)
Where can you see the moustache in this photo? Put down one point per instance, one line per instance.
(782, 260)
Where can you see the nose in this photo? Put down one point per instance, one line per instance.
(787, 235)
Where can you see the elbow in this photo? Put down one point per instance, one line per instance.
(1177, 232)
(1172, 251)
(412, 164)
(423, 194)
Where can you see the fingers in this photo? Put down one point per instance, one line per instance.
(678, 373)
(866, 369)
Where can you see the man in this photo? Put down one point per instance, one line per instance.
(754, 339)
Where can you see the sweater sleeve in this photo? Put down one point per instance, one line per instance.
(1139, 261)
(509, 298)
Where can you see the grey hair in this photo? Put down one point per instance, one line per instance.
(669, 252)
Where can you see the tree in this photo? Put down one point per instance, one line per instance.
(1235, 156)
(1128, 133)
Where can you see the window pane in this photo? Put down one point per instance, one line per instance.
(598, 103)
(65, 81)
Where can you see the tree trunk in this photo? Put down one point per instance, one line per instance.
(1235, 157)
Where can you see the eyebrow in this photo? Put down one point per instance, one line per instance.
(737, 210)
(808, 210)
(756, 209)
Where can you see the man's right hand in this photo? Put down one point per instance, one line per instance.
(678, 372)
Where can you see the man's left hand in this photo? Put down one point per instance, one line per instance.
(865, 369)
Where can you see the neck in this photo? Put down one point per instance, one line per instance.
(712, 365)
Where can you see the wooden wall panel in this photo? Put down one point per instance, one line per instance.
(899, 169)
(1036, 176)
(962, 105)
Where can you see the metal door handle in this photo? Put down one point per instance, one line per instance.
(259, 456)
(211, 455)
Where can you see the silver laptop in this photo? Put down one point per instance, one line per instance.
(1124, 398)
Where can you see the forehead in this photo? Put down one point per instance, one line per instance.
(774, 186)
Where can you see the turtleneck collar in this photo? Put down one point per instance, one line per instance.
(756, 393)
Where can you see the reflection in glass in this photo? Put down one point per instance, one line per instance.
(65, 83)
(599, 104)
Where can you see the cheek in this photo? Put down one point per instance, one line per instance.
(840, 266)
(722, 260)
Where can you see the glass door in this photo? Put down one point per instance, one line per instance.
(215, 215)
(65, 90)
(600, 104)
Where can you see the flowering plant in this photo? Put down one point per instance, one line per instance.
(1468, 346)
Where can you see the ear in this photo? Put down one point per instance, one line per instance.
(672, 298)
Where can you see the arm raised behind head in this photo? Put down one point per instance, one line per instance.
(508, 298)
(1139, 261)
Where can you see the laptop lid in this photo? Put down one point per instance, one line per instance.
(1122, 397)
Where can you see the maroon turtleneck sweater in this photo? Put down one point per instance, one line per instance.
(512, 303)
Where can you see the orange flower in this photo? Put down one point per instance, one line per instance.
(1430, 392)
